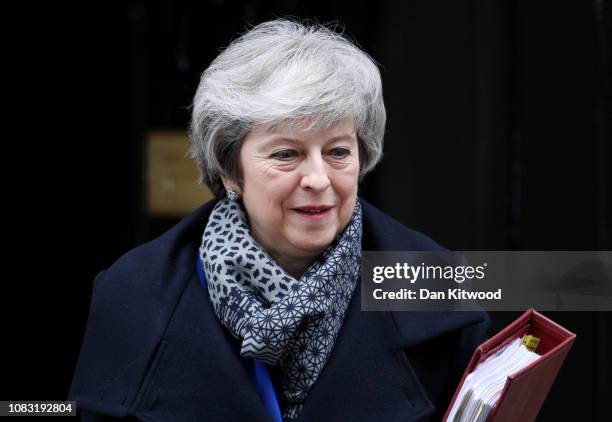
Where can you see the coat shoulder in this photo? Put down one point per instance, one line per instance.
(131, 304)
(384, 233)
(154, 259)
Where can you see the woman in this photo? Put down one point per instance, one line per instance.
(248, 308)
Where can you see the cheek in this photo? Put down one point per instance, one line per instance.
(346, 182)
(347, 185)
(267, 196)
(280, 185)
(264, 182)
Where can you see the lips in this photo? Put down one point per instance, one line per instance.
(313, 211)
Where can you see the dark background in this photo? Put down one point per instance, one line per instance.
(498, 138)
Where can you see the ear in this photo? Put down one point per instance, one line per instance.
(227, 183)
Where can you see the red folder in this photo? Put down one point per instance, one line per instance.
(525, 390)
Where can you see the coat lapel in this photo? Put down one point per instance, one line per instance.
(200, 365)
(367, 377)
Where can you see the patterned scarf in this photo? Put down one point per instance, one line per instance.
(281, 321)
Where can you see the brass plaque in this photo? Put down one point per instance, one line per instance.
(171, 176)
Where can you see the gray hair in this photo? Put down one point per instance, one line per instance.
(283, 73)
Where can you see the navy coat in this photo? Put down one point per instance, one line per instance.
(154, 350)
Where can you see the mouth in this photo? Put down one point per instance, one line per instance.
(313, 211)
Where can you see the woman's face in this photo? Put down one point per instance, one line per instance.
(299, 188)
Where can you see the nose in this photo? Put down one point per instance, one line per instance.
(315, 176)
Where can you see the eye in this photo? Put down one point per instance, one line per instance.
(284, 155)
(340, 152)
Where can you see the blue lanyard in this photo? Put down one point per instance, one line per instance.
(258, 372)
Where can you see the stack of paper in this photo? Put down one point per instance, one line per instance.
(482, 388)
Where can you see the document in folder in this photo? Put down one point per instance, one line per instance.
(510, 374)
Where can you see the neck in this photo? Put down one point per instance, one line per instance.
(295, 266)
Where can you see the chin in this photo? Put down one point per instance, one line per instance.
(317, 245)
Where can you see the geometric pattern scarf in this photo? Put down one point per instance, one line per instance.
(281, 321)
